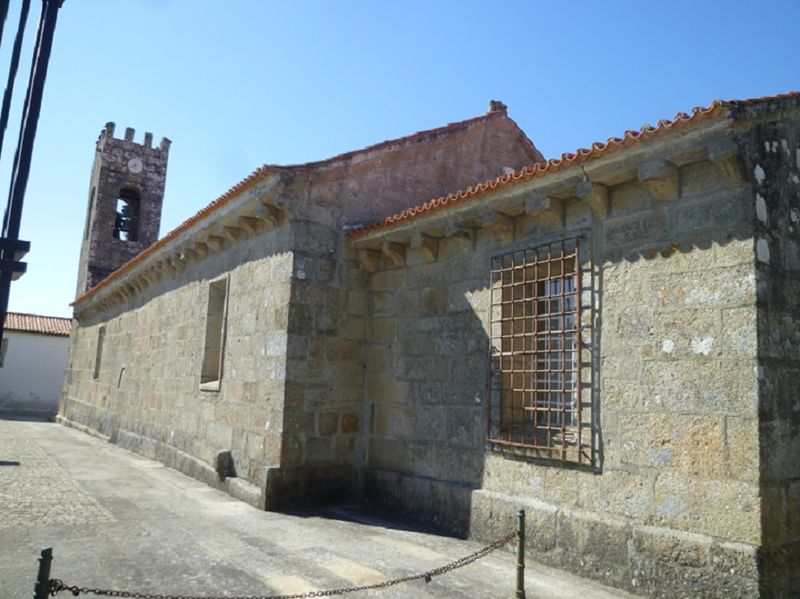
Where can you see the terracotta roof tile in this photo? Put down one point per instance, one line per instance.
(716, 109)
(33, 323)
(262, 173)
(251, 180)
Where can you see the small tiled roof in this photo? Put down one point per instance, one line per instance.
(34, 323)
(716, 109)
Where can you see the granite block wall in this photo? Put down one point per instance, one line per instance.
(671, 503)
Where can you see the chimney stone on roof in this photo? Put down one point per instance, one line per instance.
(497, 106)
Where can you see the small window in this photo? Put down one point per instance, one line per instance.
(214, 349)
(535, 400)
(126, 221)
(89, 213)
(3, 350)
(98, 357)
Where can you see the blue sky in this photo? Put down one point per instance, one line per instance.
(241, 83)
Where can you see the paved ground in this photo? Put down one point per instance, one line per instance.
(116, 520)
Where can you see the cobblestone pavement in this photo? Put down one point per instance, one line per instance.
(116, 520)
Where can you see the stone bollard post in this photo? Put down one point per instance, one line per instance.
(520, 594)
(41, 590)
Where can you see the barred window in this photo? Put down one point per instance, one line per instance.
(535, 399)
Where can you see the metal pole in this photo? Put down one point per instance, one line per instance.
(12, 71)
(520, 594)
(27, 134)
(41, 589)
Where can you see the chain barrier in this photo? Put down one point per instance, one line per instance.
(56, 585)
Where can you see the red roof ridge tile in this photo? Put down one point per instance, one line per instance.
(404, 140)
(268, 169)
(251, 180)
(538, 169)
(568, 159)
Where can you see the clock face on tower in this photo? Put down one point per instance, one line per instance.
(135, 165)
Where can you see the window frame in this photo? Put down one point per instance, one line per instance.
(539, 405)
(98, 356)
(214, 338)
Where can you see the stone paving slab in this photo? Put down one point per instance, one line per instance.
(117, 520)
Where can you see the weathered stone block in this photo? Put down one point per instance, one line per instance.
(595, 545)
(690, 444)
(433, 301)
(386, 280)
(688, 333)
(726, 509)
(726, 386)
(350, 423)
(629, 197)
(616, 492)
(672, 547)
(328, 423)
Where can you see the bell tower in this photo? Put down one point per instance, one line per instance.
(125, 197)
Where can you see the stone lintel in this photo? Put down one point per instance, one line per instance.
(368, 259)
(426, 245)
(725, 154)
(596, 194)
(661, 179)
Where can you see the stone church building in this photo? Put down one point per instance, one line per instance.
(609, 339)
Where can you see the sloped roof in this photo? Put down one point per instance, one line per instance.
(264, 172)
(34, 323)
(716, 109)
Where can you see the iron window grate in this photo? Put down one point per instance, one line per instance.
(535, 323)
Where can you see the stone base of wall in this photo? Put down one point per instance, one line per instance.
(292, 487)
(21, 413)
(648, 560)
(445, 505)
(781, 570)
(178, 460)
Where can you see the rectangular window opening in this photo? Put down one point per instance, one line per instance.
(126, 220)
(535, 377)
(214, 348)
(98, 357)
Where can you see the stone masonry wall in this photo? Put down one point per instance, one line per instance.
(148, 397)
(773, 158)
(672, 504)
(324, 368)
(370, 184)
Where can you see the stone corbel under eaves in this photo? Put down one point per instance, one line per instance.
(661, 179)
(725, 154)
(256, 210)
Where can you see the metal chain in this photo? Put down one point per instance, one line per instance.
(56, 585)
